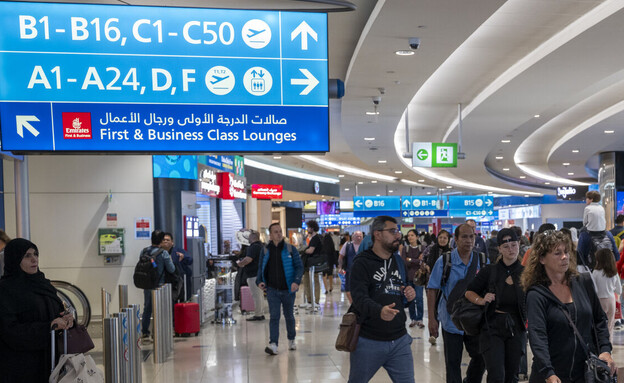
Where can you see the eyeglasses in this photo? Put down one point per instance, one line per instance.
(392, 231)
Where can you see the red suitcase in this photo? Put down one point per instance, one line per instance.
(246, 302)
(186, 318)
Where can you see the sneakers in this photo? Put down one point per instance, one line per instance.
(271, 349)
(305, 305)
(420, 324)
(317, 307)
(255, 318)
(412, 324)
(432, 340)
(292, 345)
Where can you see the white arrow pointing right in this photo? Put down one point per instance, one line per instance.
(310, 81)
(24, 122)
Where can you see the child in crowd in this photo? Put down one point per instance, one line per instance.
(607, 283)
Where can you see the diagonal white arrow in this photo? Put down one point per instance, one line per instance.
(304, 30)
(310, 81)
(24, 122)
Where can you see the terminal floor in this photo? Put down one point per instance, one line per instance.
(235, 353)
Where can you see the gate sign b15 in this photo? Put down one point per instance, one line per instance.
(101, 78)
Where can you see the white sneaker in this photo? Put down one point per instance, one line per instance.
(271, 349)
(292, 345)
(305, 305)
(316, 308)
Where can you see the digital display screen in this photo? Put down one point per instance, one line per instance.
(327, 207)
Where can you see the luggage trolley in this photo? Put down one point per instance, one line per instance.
(224, 292)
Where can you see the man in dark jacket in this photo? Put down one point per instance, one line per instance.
(180, 257)
(163, 264)
(280, 271)
(250, 265)
(378, 288)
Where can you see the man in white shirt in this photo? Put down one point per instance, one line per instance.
(594, 214)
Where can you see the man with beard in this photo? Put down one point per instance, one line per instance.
(378, 288)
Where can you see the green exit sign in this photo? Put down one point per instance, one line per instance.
(434, 155)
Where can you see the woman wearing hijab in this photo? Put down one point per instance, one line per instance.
(29, 309)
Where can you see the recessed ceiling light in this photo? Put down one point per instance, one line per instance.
(398, 172)
(575, 150)
(537, 116)
(378, 195)
(404, 53)
(373, 182)
(505, 169)
(566, 164)
(277, 157)
(441, 189)
(289, 200)
(340, 175)
(499, 157)
(360, 183)
(526, 195)
(346, 189)
(609, 131)
(505, 141)
(428, 192)
(382, 161)
(375, 113)
(546, 183)
(369, 138)
(449, 187)
(571, 174)
(522, 177)
(390, 191)
(421, 180)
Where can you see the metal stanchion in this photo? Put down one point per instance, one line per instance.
(156, 308)
(133, 337)
(111, 349)
(106, 298)
(123, 297)
(169, 305)
(124, 347)
(312, 282)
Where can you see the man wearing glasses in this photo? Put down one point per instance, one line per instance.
(378, 288)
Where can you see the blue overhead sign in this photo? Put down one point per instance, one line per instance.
(105, 78)
(422, 207)
(342, 219)
(475, 206)
(374, 206)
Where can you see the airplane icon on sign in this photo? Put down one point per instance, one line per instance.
(254, 32)
(218, 79)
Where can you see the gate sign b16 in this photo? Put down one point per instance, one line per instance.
(102, 78)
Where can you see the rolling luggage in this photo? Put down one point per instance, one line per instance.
(246, 302)
(186, 319)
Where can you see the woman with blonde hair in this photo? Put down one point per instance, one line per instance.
(558, 301)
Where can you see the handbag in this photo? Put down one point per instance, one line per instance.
(78, 340)
(421, 278)
(468, 316)
(349, 332)
(76, 368)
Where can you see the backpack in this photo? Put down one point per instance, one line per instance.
(146, 275)
(456, 292)
(598, 241)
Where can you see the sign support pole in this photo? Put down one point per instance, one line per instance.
(22, 204)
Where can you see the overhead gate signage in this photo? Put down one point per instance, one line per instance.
(101, 78)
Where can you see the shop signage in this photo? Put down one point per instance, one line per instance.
(572, 193)
(208, 184)
(434, 155)
(374, 206)
(266, 191)
(232, 186)
(176, 79)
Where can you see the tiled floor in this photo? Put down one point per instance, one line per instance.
(236, 353)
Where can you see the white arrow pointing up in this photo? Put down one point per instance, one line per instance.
(310, 81)
(304, 30)
(24, 122)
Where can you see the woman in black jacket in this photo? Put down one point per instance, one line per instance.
(553, 285)
(503, 335)
(29, 308)
(439, 247)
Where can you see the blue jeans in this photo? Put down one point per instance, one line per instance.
(416, 304)
(395, 356)
(147, 312)
(278, 299)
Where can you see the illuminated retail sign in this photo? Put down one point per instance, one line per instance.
(208, 182)
(266, 191)
(102, 78)
(232, 186)
(573, 193)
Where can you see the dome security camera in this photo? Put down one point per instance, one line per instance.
(414, 42)
(376, 100)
